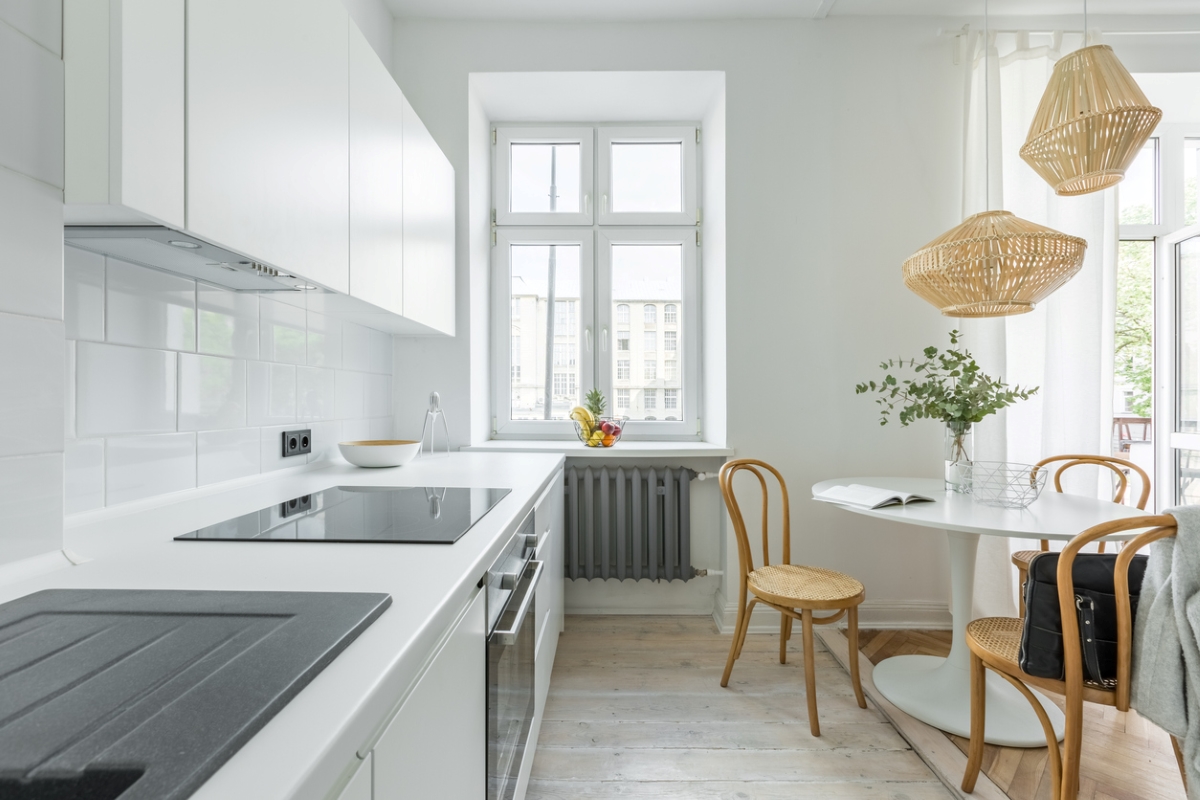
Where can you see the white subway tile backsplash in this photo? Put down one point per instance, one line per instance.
(31, 94)
(122, 390)
(379, 351)
(225, 455)
(83, 294)
(84, 479)
(355, 430)
(212, 393)
(271, 391)
(144, 466)
(31, 505)
(381, 428)
(282, 332)
(315, 393)
(148, 308)
(378, 391)
(31, 228)
(69, 398)
(227, 322)
(31, 388)
(325, 438)
(324, 341)
(356, 347)
(350, 403)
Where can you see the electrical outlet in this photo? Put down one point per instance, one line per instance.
(297, 443)
(297, 505)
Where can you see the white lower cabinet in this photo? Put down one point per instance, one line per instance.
(435, 746)
(359, 787)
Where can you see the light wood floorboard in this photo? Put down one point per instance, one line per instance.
(1124, 756)
(636, 710)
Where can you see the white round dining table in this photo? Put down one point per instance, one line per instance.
(935, 690)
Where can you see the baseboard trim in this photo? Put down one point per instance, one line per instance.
(933, 746)
(612, 596)
(871, 615)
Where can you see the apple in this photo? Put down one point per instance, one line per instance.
(606, 426)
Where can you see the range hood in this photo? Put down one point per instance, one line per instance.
(167, 250)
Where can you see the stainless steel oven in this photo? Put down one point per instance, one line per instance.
(511, 586)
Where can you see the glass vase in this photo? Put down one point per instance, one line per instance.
(959, 453)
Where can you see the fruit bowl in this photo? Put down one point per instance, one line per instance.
(601, 432)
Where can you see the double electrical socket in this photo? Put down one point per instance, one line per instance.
(297, 443)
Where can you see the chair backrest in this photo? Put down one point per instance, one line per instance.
(1118, 466)
(1161, 526)
(745, 555)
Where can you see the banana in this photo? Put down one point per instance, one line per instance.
(585, 420)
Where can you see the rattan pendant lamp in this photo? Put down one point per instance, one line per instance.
(1091, 123)
(994, 264)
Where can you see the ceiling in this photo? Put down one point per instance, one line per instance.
(743, 9)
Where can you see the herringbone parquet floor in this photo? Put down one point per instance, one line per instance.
(1124, 757)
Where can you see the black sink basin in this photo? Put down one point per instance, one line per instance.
(143, 695)
(94, 784)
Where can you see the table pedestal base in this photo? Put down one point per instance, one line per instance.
(939, 694)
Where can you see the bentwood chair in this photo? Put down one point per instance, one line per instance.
(995, 643)
(1120, 468)
(792, 590)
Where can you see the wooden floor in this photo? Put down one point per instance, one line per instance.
(636, 710)
(1124, 757)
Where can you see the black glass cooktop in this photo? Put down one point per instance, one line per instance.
(376, 514)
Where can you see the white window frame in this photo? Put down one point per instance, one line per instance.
(503, 424)
(502, 173)
(688, 355)
(684, 135)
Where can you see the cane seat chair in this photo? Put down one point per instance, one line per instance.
(1120, 469)
(794, 591)
(995, 643)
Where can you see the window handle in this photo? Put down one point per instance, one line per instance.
(587, 204)
(604, 202)
(604, 340)
(587, 338)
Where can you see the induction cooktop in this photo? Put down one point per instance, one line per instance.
(370, 514)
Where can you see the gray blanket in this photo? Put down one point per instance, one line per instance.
(1166, 641)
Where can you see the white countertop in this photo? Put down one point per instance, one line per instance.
(625, 449)
(303, 750)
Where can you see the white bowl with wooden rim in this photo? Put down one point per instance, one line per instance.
(375, 453)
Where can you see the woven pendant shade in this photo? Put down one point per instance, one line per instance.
(994, 264)
(1091, 123)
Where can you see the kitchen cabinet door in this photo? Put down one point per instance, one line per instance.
(428, 228)
(267, 132)
(436, 744)
(376, 179)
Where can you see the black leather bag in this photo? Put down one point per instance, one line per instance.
(1095, 603)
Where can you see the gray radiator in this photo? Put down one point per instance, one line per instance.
(628, 523)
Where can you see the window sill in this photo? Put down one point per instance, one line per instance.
(621, 451)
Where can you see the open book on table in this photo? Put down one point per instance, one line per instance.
(869, 496)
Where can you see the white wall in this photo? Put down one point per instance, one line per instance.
(843, 151)
(375, 21)
(173, 384)
(31, 287)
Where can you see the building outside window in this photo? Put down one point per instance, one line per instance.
(669, 341)
(649, 314)
(564, 317)
(671, 314)
(622, 313)
(649, 341)
(650, 399)
(651, 370)
(564, 354)
(622, 399)
(515, 362)
(670, 399)
(623, 369)
(623, 340)
(564, 384)
(670, 370)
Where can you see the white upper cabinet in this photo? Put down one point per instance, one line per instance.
(376, 179)
(428, 228)
(268, 132)
(124, 110)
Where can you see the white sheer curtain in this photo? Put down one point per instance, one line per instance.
(1065, 345)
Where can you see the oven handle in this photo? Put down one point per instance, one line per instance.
(509, 637)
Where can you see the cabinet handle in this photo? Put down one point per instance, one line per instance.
(509, 636)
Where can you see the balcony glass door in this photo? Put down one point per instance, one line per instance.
(1177, 367)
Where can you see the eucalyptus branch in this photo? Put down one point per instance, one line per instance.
(948, 386)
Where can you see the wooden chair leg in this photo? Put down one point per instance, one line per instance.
(852, 635)
(1072, 745)
(1179, 760)
(1047, 731)
(784, 619)
(789, 628)
(810, 671)
(978, 718)
(735, 647)
(745, 627)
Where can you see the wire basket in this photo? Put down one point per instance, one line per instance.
(601, 431)
(1006, 485)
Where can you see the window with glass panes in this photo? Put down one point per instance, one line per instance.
(593, 223)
